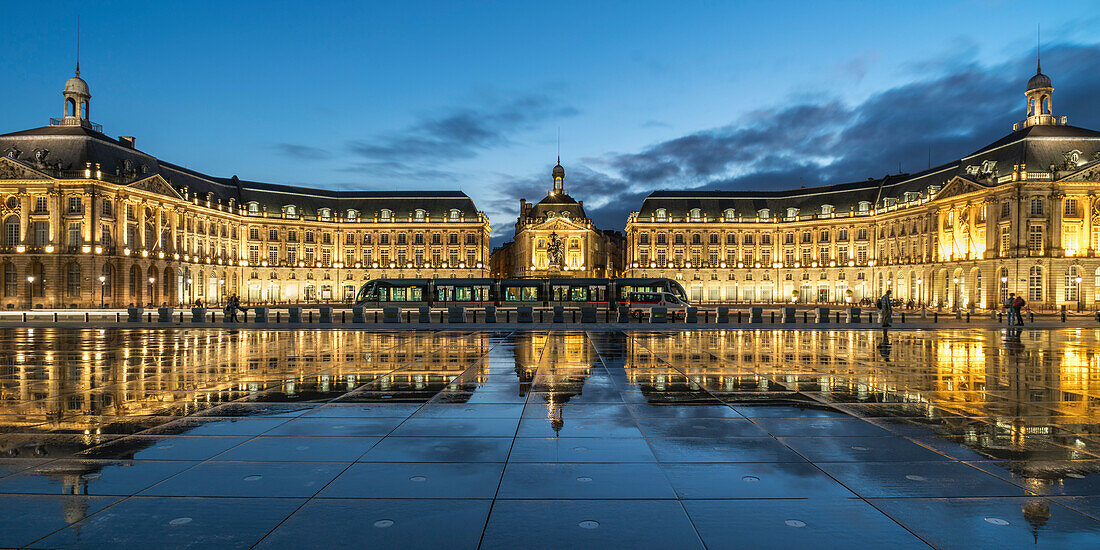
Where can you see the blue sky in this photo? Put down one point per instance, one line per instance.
(647, 95)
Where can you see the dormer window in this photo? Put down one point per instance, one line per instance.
(351, 215)
(826, 209)
(454, 215)
(662, 214)
(253, 208)
(420, 215)
(792, 213)
(386, 215)
(864, 206)
(325, 214)
(290, 211)
(763, 213)
(565, 214)
(696, 214)
(729, 215)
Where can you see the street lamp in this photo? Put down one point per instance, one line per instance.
(30, 291)
(102, 289)
(1080, 297)
(955, 295)
(151, 288)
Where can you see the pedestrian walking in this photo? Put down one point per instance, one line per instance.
(886, 308)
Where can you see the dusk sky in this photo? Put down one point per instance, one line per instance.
(470, 96)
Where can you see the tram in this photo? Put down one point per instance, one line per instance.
(509, 292)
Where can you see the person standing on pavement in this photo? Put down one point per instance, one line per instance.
(886, 309)
(1017, 308)
(1009, 308)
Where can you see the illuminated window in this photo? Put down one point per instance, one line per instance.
(1035, 284)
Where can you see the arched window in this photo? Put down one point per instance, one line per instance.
(420, 215)
(1035, 284)
(1004, 283)
(11, 231)
(73, 280)
(386, 215)
(70, 107)
(662, 214)
(253, 208)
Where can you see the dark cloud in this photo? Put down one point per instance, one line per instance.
(302, 152)
(461, 133)
(955, 108)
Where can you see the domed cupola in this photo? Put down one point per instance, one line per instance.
(1039, 93)
(77, 98)
(559, 179)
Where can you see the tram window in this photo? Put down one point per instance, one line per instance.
(579, 294)
(462, 294)
(398, 294)
(530, 294)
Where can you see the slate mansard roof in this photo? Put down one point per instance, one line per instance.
(1040, 147)
(70, 148)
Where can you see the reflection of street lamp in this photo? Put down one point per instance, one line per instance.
(102, 289)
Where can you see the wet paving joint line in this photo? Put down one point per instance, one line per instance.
(406, 341)
(702, 388)
(634, 417)
(512, 444)
(477, 362)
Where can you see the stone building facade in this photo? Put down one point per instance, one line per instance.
(1020, 215)
(555, 238)
(90, 220)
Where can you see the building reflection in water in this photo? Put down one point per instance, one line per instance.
(1025, 397)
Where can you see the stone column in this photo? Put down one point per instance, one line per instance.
(1055, 233)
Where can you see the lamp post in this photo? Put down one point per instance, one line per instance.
(102, 289)
(955, 294)
(1080, 297)
(30, 292)
(151, 288)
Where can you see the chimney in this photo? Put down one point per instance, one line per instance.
(127, 141)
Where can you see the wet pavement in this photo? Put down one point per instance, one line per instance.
(213, 438)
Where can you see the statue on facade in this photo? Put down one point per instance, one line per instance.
(555, 250)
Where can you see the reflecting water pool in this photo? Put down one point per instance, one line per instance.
(720, 439)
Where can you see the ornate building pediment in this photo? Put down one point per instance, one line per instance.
(558, 224)
(1088, 173)
(958, 186)
(155, 184)
(14, 170)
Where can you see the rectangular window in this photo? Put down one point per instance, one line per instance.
(1006, 237)
(11, 280)
(349, 257)
(253, 254)
(1071, 208)
(1006, 210)
(41, 205)
(41, 234)
(861, 253)
(75, 234)
(1035, 238)
(1036, 206)
(254, 233)
(823, 255)
(273, 234)
(326, 256)
(309, 255)
(842, 253)
(105, 236)
(291, 236)
(273, 255)
(76, 205)
(292, 254)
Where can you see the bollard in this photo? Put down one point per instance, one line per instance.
(212, 314)
(294, 315)
(181, 317)
(838, 317)
(343, 317)
(55, 317)
(118, 317)
(25, 317)
(261, 315)
(624, 314)
(148, 317)
(804, 318)
(757, 315)
(588, 314)
(935, 316)
(278, 316)
(968, 317)
(1000, 320)
(376, 316)
(903, 317)
(1031, 316)
(490, 314)
(773, 316)
(164, 314)
(1063, 315)
(788, 315)
(559, 314)
(325, 315)
(311, 316)
(525, 314)
(357, 314)
(692, 315)
(658, 315)
(86, 317)
(723, 317)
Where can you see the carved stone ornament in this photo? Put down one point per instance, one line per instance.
(1095, 211)
(11, 170)
(13, 152)
(555, 250)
